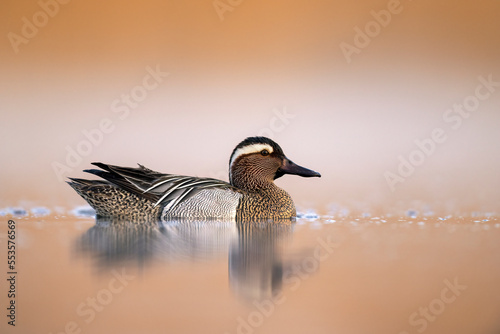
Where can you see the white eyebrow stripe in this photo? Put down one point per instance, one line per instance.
(254, 148)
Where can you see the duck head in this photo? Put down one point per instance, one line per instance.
(257, 161)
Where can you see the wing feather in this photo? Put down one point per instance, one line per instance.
(164, 189)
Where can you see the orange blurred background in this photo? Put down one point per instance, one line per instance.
(249, 68)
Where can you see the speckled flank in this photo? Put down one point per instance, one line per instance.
(208, 203)
(109, 200)
(270, 203)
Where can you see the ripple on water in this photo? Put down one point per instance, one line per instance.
(83, 211)
(14, 211)
(308, 215)
(304, 217)
(40, 211)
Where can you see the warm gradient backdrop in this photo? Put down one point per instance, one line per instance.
(230, 73)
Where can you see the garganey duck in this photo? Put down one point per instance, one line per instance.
(133, 193)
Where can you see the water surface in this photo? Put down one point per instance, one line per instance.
(321, 274)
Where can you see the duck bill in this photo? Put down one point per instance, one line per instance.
(289, 167)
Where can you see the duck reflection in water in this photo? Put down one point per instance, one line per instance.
(254, 249)
(256, 259)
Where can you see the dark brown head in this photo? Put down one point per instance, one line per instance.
(257, 161)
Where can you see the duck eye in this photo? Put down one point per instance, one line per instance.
(264, 152)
